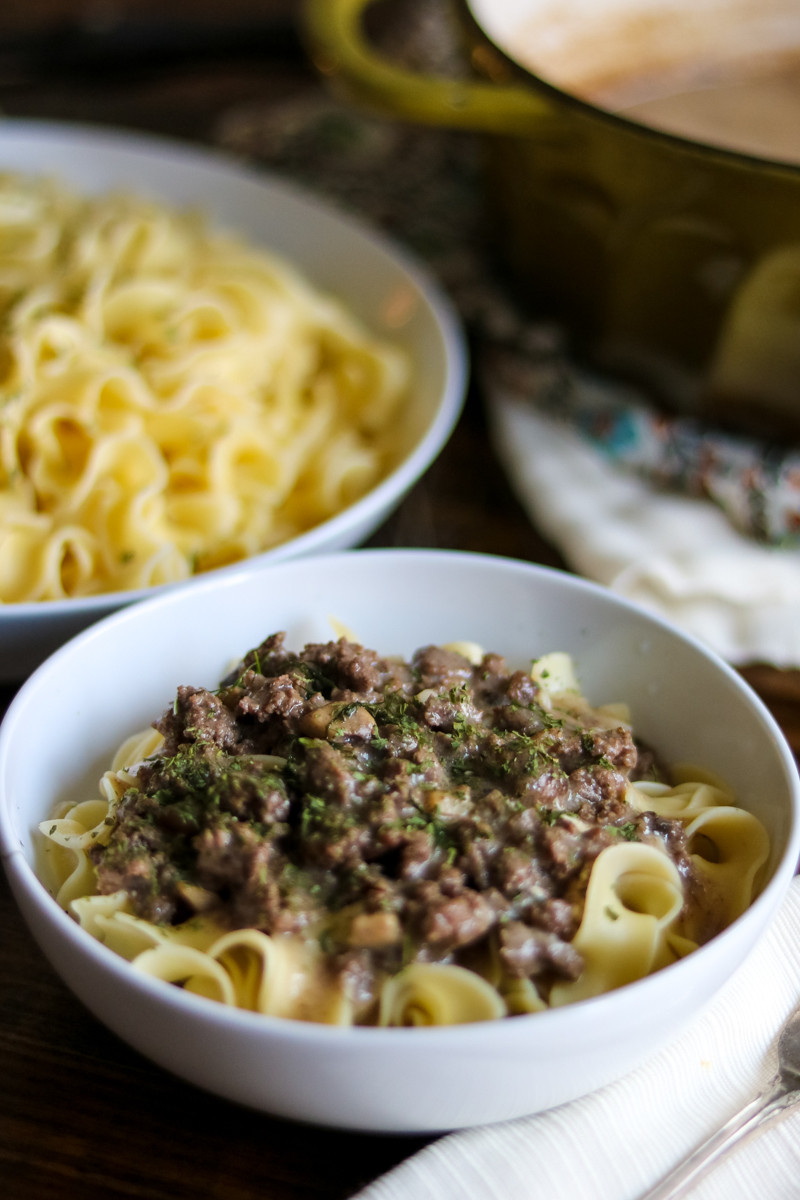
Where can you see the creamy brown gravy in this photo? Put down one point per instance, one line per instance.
(724, 72)
(758, 116)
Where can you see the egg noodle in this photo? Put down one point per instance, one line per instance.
(637, 915)
(172, 399)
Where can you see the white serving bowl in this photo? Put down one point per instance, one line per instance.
(67, 719)
(378, 280)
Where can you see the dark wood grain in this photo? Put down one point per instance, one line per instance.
(82, 1116)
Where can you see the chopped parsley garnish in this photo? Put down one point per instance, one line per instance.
(548, 816)
(629, 831)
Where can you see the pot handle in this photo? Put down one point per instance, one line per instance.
(340, 51)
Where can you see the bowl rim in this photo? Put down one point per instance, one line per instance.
(490, 1035)
(447, 322)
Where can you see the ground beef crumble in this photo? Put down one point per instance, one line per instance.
(397, 812)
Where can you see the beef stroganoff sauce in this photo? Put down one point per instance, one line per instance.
(337, 836)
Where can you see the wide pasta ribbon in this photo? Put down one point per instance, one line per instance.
(633, 898)
(438, 994)
(173, 398)
(728, 847)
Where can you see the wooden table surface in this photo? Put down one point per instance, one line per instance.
(82, 1116)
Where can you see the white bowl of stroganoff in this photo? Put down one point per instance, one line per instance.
(682, 702)
(165, 401)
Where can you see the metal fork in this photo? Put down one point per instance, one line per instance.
(777, 1098)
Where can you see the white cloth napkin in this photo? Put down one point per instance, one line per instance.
(620, 1141)
(676, 555)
